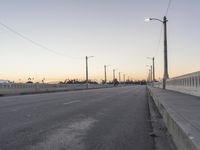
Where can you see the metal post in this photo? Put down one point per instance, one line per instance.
(149, 76)
(105, 74)
(113, 74)
(87, 71)
(119, 76)
(153, 69)
(151, 72)
(166, 75)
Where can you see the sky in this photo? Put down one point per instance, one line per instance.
(51, 38)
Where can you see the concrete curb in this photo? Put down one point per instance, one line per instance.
(179, 136)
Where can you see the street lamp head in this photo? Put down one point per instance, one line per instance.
(147, 19)
(89, 57)
(151, 58)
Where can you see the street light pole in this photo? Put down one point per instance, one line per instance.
(124, 79)
(113, 74)
(105, 74)
(87, 69)
(153, 69)
(165, 75)
(153, 63)
(119, 76)
(151, 74)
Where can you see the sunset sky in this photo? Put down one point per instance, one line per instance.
(113, 31)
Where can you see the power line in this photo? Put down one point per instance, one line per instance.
(158, 46)
(167, 10)
(161, 30)
(36, 43)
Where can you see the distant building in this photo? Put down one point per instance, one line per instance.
(4, 81)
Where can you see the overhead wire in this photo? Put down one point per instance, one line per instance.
(37, 43)
(160, 36)
(158, 46)
(168, 7)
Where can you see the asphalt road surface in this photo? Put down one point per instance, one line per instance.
(100, 119)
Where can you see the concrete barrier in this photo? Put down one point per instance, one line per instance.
(179, 134)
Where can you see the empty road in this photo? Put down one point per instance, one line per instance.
(100, 119)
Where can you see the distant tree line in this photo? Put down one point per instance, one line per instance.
(76, 81)
(115, 82)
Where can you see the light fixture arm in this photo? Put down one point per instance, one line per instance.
(156, 19)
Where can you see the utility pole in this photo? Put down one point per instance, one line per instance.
(151, 74)
(166, 75)
(113, 74)
(124, 79)
(87, 69)
(153, 60)
(153, 69)
(105, 74)
(119, 77)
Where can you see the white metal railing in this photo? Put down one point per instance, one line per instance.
(188, 83)
(191, 80)
(16, 88)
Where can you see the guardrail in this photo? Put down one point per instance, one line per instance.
(188, 83)
(21, 88)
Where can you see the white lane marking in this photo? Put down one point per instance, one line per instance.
(77, 101)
